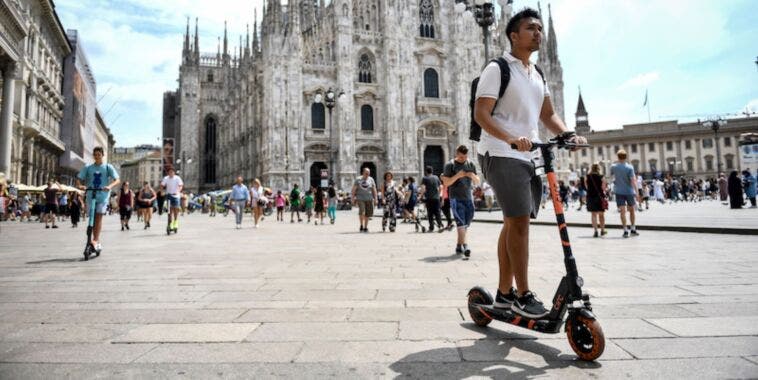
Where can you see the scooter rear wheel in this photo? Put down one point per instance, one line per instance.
(477, 298)
(586, 337)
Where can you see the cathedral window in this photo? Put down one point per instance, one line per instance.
(318, 116)
(431, 84)
(426, 15)
(210, 150)
(365, 69)
(367, 118)
(210, 76)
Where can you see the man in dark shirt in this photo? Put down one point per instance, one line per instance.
(458, 176)
(51, 203)
(431, 187)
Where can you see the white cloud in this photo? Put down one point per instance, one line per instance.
(751, 107)
(641, 80)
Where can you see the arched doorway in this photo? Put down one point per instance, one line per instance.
(371, 167)
(316, 168)
(434, 156)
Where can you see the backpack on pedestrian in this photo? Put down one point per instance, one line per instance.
(475, 130)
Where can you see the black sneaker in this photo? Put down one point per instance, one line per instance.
(635, 233)
(596, 234)
(529, 306)
(458, 250)
(466, 251)
(626, 234)
(505, 301)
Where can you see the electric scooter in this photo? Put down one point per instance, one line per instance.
(169, 230)
(582, 328)
(89, 249)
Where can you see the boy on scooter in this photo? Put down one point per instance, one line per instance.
(513, 119)
(95, 176)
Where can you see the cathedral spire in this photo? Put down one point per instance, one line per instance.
(255, 34)
(226, 45)
(582, 123)
(552, 41)
(197, 43)
(218, 51)
(247, 42)
(187, 38)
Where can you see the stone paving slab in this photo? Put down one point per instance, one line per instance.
(349, 305)
(223, 353)
(732, 346)
(310, 331)
(709, 326)
(378, 352)
(71, 353)
(188, 332)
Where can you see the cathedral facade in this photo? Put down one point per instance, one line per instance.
(322, 91)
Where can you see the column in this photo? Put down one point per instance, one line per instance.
(6, 118)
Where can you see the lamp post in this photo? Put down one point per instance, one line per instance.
(484, 14)
(715, 124)
(330, 103)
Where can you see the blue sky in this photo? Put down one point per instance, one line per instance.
(696, 58)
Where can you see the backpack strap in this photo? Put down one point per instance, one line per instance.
(505, 76)
(541, 74)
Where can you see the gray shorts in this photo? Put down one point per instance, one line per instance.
(517, 187)
(366, 208)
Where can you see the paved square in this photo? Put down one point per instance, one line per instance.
(309, 301)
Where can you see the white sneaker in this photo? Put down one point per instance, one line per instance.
(256, 226)
(98, 247)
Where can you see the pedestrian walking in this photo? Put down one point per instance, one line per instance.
(364, 195)
(459, 176)
(332, 203)
(146, 198)
(308, 205)
(51, 203)
(489, 195)
(25, 203)
(280, 202)
(446, 211)
(160, 198)
(295, 204)
(238, 199)
(125, 204)
(750, 187)
(431, 187)
(625, 188)
(63, 206)
(597, 202)
(390, 198)
(723, 188)
(257, 200)
(734, 187)
(76, 202)
(318, 205)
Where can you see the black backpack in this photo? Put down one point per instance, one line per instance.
(475, 131)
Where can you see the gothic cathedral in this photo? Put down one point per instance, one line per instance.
(326, 90)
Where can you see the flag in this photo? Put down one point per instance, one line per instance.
(645, 103)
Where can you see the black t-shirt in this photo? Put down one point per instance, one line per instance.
(432, 185)
(461, 189)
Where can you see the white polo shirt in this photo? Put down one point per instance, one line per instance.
(518, 111)
(172, 184)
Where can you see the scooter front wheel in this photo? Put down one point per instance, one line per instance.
(586, 337)
(477, 297)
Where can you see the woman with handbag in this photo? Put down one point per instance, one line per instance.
(258, 200)
(597, 202)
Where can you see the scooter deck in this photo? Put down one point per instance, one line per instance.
(508, 316)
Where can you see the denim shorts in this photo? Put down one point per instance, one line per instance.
(625, 200)
(174, 201)
(463, 211)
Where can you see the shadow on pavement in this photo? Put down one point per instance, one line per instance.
(437, 259)
(52, 261)
(479, 359)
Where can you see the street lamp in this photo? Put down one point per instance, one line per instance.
(484, 14)
(330, 101)
(715, 124)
